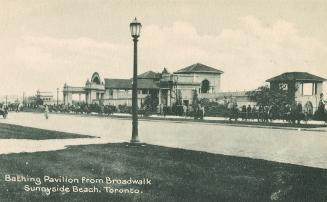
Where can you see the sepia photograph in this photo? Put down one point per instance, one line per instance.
(166, 100)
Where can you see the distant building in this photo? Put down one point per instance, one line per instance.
(240, 97)
(180, 86)
(306, 87)
(45, 98)
(170, 88)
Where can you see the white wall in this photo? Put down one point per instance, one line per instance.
(303, 99)
(214, 80)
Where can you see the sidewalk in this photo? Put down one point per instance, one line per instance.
(275, 124)
(319, 126)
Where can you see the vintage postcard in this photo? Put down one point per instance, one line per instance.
(166, 100)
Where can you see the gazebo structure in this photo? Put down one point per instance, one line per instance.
(305, 86)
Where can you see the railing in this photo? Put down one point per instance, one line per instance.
(95, 86)
(223, 94)
(73, 89)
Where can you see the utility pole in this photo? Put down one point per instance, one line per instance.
(57, 96)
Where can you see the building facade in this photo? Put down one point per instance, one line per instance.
(306, 88)
(45, 97)
(178, 87)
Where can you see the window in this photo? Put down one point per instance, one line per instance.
(186, 102)
(308, 89)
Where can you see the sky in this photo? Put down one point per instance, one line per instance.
(44, 44)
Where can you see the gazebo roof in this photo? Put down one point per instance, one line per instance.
(296, 76)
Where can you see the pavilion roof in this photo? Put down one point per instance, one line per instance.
(296, 76)
(199, 68)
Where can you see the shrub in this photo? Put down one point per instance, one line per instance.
(95, 108)
(320, 116)
(125, 109)
(150, 103)
(109, 109)
(215, 109)
(177, 110)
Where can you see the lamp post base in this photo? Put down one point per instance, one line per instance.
(135, 140)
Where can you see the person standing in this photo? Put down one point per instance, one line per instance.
(202, 111)
(165, 110)
(184, 110)
(243, 112)
(46, 112)
(321, 108)
(248, 112)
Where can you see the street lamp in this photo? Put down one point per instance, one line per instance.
(135, 27)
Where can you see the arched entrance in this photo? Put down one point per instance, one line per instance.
(205, 86)
(96, 78)
(308, 108)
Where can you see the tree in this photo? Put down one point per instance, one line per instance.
(39, 101)
(266, 96)
(151, 102)
(195, 99)
(176, 95)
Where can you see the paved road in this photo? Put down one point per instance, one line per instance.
(291, 146)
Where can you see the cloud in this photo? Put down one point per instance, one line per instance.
(46, 63)
(248, 54)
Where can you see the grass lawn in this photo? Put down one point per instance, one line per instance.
(11, 131)
(175, 174)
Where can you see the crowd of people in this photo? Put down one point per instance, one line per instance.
(196, 111)
(289, 113)
(293, 113)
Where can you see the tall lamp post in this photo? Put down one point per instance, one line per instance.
(135, 27)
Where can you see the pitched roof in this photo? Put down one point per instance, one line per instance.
(118, 83)
(199, 68)
(147, 84)
(127, 84)
(164, 71)
(296, 76)
(149, 75)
